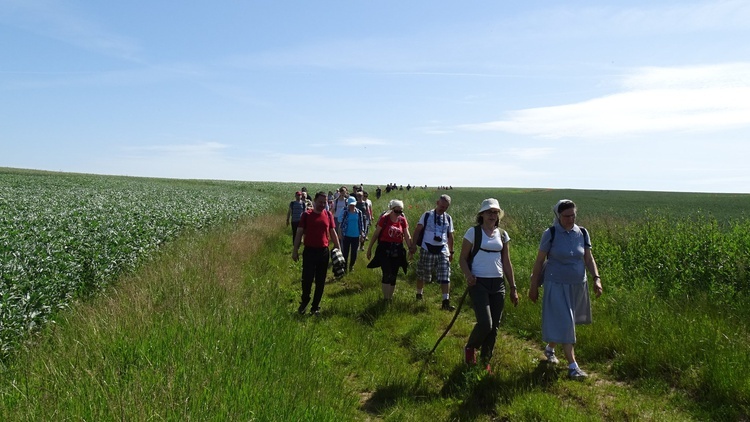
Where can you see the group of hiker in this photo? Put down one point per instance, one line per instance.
(563, 257)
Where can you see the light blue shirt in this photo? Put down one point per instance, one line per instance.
(565, 262)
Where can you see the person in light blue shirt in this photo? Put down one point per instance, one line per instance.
(352, 231)
(566, 249)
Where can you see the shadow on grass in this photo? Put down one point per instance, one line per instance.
(387, 396)
(479, 392)
(482, 392)
(373, 312)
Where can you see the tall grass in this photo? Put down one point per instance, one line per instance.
(194, 336)
(208, 330)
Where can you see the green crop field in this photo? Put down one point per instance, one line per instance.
(202, 323)
(63, 236)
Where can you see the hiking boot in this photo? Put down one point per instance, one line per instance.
(315, 311)
(470, 356)
(301, 309)
(447, 305)
(577, 374)
(419, 296)
(551, 358)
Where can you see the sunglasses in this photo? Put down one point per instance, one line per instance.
(398, 211)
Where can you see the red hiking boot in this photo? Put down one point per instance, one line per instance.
(470, 354)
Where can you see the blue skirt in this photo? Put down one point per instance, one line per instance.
(564, 306)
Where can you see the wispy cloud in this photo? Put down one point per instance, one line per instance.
(53, 19)
(709, 98)
(362, 141)
(183, 149)
(530, 153)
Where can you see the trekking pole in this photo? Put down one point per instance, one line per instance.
(450, 324)
(447, 329)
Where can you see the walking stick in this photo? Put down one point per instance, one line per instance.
(450, 324)
(447, 329)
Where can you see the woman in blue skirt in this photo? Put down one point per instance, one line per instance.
(566, 248)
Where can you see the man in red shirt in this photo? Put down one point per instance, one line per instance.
(318, 228)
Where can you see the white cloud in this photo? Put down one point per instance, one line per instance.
(362, 141)
(709, 98)
(184, 149)
(530, 153)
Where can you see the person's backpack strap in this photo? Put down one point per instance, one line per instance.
(476, 245)
(420, 238)
(424, 219)
(551, 234)
(477, 241)
(586, 239)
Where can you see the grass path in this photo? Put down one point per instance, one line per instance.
(207, 331)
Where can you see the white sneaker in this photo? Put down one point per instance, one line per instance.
(551, 358)
(577, 374)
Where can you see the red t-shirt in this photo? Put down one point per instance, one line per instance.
(392, 232)
(317, 227)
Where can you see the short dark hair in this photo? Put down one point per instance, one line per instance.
(321, 193)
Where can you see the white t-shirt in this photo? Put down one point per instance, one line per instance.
(488, 262)
(436, 226)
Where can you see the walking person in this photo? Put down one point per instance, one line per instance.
(306, 199)
(434, 236)
(365, 206)
(485, 262)
(296, 208)
(318, 229)
(566, 248)
(339, 203)
(352, 232)
(391, 232)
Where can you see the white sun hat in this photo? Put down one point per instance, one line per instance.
(490, 204)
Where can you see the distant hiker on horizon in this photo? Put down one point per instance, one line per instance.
(566, 248)
(318, 229)
(434, 236)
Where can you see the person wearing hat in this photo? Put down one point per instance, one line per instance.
(296, 208)
(566, 248)
(352, 229)
(485, 262)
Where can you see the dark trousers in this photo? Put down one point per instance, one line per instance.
(314, 269)
(390, 268)
(488, 299)
(350, 246)
(294, 228)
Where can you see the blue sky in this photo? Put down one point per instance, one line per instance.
(625, 95)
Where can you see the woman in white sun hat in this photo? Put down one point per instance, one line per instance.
(485, 262)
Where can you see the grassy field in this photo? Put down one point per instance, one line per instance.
(202, 327)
